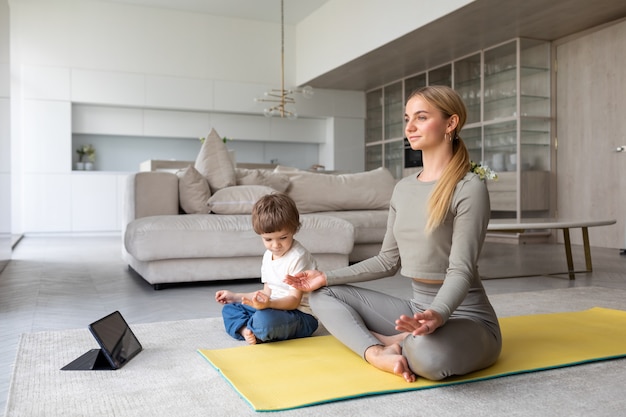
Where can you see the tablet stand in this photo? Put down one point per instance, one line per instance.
(93, 360)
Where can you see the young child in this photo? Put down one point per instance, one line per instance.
(278, 311)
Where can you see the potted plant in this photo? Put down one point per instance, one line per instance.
(80, 165)
(90, 152)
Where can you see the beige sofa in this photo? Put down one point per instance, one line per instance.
(178, 228)
(195, 224)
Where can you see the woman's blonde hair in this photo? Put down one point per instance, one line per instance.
(449, 103)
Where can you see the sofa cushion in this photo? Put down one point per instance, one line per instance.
(279, 182)
(238, 199)
(369, 225)
(226, 236)
(192, 236)
(193, 191)
(315, 192)
(214, 162)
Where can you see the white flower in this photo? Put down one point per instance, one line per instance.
(483, 171)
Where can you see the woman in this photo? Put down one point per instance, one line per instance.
(435, 231)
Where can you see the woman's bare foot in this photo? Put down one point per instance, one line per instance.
(390, 359)
(390, 340)
(248, 336)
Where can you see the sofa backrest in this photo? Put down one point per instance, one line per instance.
(150, 193)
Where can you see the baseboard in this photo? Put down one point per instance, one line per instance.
(15, 239)
(517, 238)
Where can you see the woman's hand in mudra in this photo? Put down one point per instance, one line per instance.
(420, 323)
(306, 281)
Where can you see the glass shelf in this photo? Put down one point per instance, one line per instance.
(473, 139)
(394, 111)
(413, 83)
(373, 157)
(441, 76)
(393, 157)
(467, 84)
(373, 121)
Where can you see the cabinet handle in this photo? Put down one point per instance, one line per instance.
(620, 148)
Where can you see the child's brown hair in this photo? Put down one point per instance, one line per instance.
(275, 212)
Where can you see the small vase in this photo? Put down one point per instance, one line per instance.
(80, 166)
(88, 166)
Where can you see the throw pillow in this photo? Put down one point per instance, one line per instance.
(193, 191)
(215, 163)
(313, 192)
(279, 182)
(238, 199)
(248, 176)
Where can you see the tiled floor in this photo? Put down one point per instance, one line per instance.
(67, 282)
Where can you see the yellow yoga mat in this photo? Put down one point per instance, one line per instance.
(303, 372)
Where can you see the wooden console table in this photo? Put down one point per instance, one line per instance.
(506, 225)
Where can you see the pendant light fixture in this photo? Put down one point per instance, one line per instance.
(282, 102)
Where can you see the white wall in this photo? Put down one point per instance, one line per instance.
(75, 63)
(325, 44)
(5, 139)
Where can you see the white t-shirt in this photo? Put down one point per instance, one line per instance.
(273, 271)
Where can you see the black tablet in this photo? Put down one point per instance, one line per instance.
(118, 345)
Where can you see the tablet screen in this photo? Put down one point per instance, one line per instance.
(116, 339)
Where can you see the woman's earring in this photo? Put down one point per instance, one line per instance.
(448, 137)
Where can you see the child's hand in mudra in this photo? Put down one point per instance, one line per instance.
(260, 300)
(225, 297)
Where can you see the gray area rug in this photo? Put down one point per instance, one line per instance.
(169, 378)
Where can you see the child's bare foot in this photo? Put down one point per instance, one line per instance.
(390, 340)
(390, 359)
(248, 336)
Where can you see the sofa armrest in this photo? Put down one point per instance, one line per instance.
(150, 194)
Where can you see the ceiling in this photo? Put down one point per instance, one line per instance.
(265, 10)
(478, 25)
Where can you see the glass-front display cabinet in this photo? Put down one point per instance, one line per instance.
(517, 125)
(507, 93)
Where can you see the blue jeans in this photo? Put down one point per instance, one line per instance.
(268, 325)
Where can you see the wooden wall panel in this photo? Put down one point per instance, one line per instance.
(591, 124)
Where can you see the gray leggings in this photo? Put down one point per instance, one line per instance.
(470, 340)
